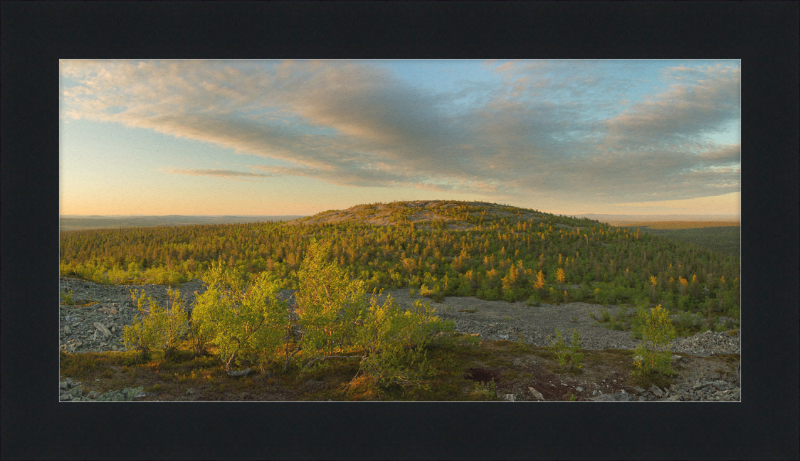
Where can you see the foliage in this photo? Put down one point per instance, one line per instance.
(508, 254)
(156, 327)
(533, 300)
(394, 342)
(66, 298)
(338, 323)
(488, 389)
(567, 356)
(724, 238)
(329, 304)
(657, 330)
(243, 321)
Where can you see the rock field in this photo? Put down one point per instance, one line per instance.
(96, 320)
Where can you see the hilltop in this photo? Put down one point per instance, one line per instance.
(424, 214)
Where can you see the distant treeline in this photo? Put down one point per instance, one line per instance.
(107, 222)
(678, 224)
(721, 239)
(549, 257)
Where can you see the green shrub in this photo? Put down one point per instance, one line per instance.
(338, 322)
(510, 295)
(567, 356)
(243, 321)
(657, 331)
(534, 300)
(394, 342)
(156, 327)
(66, 298)
(555, 295)
(488, 389)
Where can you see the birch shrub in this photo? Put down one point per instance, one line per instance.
(156, 327)
(243, 321)
(394, 342)
(339, 321)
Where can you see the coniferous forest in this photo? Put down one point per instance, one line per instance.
(490, 251)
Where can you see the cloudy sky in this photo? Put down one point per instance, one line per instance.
(300, 137)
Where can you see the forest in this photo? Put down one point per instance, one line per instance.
(489, 251)
(724, 239)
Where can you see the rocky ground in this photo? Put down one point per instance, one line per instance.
(96, 320)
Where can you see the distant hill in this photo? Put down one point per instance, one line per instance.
(76, 222)
(627, 219)
(425, 214)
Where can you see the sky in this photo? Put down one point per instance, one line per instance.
(242, 137)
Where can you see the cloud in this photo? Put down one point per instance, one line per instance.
(718, 204)
(687, 109)
(229, 174)
(541, 129)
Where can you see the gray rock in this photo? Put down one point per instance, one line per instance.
(536, 394)
(510, 397)
(125, 394)
(93, 395)
(579, 389)
(76, 392)
(656, 391)
(638, 389)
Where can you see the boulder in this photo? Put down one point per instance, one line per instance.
(656, 391)
(102, 329)
(536, 394)
(125, 394)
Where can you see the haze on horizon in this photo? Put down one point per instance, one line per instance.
(270, 138)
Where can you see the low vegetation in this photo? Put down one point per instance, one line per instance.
(679, 224)
(488, 251)
(723, 238)
(653, 355)
(340, 343)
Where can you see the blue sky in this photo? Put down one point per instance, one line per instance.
(300, 137)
